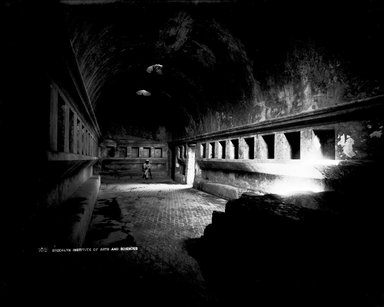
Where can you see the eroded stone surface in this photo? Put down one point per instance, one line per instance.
(157, 218)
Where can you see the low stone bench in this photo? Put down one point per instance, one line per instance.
(218, 189)
(66, 225)
(82, 202)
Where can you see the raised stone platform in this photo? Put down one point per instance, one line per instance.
(217, 189)
(67, 224)
(82, 202)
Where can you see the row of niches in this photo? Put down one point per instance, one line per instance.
(68, 133)
(293, 145)
(182, 152)
(123, 151)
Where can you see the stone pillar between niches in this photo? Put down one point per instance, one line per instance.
(86, 141)
(66, 128)
(227, 149)
(243, 149)
(92, 146)
(307, 144)
(81, 138)
(260, 149)
(211, 148)
(72, 132)
(77, 134)
(190, 163)
(85, 151)
(87, 148)
(281, 147)
(53, 120)
(217, 153)
(89, 144)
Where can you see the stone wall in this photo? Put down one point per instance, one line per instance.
(124, 157)
(47, 121)
(312, 152)
(72, 147)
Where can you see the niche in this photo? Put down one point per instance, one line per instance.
(234, 149)
(135, 152)
(222, 149)
(293, 139)
(146, 152)
(249, 150)
(325, 140)
(203, 150)
(122, 152)
(269, 141)
(110, 151)
(212, 150)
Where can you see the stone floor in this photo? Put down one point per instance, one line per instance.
(157, 218)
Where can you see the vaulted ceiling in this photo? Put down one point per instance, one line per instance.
(213, 53)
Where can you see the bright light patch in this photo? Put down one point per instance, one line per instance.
(156, 68)
(315, 154)
(304, 169)
(143, 93)
(305, 176)
(291, 186)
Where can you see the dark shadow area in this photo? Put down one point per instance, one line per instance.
(270, 145)
(271, 251)
(52, 227)
(113, 277)
(293, 139)
(110, 212)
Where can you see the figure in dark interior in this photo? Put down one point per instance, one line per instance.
(147, 170)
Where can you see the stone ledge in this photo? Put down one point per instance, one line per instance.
(218, 189)
(67, 224)
(84, 199)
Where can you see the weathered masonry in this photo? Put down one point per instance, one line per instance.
(72, 150)
(124, 157)
(68, 132)
(55, 141)
(73, 141)
(304, 152)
